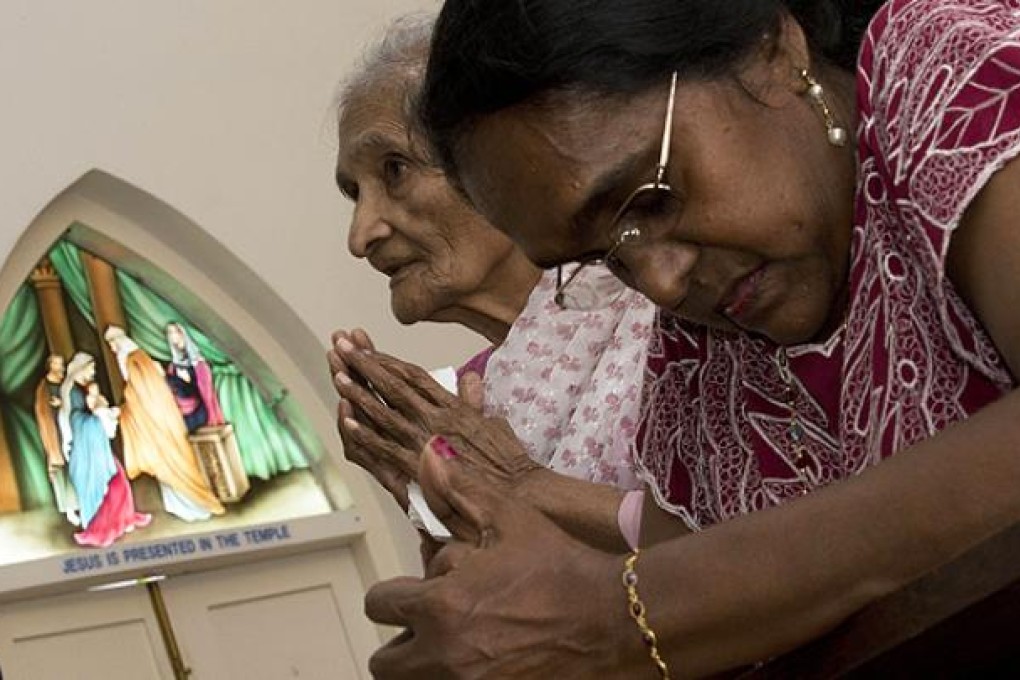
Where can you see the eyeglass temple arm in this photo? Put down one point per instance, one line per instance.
(667, 133)
(562, 284)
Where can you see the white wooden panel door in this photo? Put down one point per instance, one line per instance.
(294, 617)
(109, 635)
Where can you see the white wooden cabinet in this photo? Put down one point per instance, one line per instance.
(298, 616)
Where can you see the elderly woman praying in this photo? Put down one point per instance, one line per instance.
(554, 374)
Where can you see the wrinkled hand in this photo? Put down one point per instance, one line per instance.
(390, 408)
(514, 597)
(386, 459)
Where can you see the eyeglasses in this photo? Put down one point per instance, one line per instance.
(645, 214)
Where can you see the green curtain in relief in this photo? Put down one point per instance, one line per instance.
(267, 447)
(22, 352)
(66, 261)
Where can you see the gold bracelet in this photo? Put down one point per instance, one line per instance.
(636, 608)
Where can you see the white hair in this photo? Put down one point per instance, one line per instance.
(397, 59)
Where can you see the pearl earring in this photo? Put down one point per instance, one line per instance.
(836, 134)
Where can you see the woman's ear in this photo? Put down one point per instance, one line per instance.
(773, 72)
(791, 42)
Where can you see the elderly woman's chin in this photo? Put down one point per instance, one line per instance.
(411, 303)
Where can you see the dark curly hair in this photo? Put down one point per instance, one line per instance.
(488, 55)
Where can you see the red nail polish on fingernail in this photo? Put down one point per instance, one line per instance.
(443, 448)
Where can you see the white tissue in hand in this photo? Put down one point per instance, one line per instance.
(421, 515)
(447, 377)
(418, 511)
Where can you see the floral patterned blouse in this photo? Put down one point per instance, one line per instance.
(569, 382)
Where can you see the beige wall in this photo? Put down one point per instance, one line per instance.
(222, 109)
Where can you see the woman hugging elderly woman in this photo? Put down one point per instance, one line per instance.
(821, 200)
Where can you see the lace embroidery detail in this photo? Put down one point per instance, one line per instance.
(939, 100)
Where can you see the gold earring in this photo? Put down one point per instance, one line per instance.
(836, 133)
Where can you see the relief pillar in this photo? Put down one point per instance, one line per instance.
(10, 498)
(108, 310)
(50, 294)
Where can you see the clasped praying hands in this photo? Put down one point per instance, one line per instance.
(390, 408)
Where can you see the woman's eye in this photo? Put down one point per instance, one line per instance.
(349, 190)
(394, 169)
(650, 204)
(649, 214)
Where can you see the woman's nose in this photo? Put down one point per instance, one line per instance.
(663, 272)
(368, 226)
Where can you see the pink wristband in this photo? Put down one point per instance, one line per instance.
(628, 516)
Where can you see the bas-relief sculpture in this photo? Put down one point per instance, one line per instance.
(167, 420)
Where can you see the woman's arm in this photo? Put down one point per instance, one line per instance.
(760, 585)
(984, 260)
(585, 510)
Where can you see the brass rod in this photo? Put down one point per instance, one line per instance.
(166, 629)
